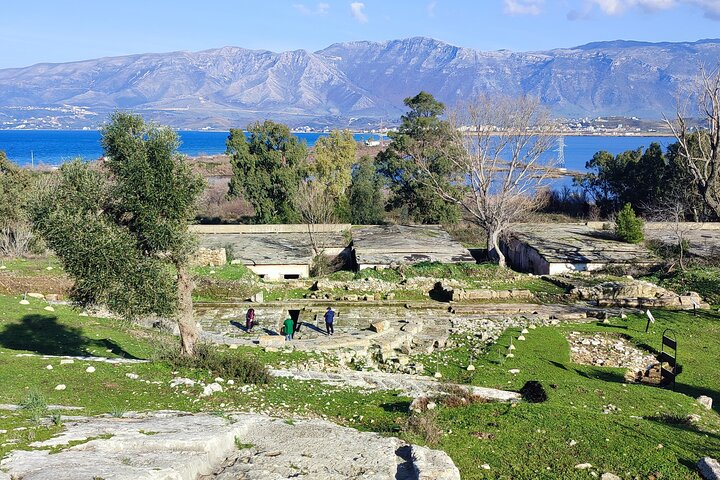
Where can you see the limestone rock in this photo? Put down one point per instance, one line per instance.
(583, 466)
(186, 446)
(609, 476)
(709, 468)
(433, 464)
(705, 401)
(381, 326)
(39, 296)
(60, 387)
(272, 341)
(90, 369)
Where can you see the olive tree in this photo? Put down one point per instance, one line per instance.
(120, 228)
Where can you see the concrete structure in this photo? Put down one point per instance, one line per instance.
(274, 252)
(285, 251)
(380, 246)
(550, 249)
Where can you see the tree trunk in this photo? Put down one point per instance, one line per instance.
(494, 251)
(185, 316)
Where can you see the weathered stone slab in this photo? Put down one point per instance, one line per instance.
(709, 468)
(176, 446)
(381, 326)
(271, 341)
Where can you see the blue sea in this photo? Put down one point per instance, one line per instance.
(53, 147)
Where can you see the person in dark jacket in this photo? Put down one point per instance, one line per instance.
(329, 320)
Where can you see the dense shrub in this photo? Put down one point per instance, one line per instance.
(628, 227)
(242, 368)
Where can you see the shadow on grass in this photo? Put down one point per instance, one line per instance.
(401, 406)
(44, 335)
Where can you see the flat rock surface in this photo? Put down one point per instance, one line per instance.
(579, 243)
(173, 445)
(405, 244)
(411, 385)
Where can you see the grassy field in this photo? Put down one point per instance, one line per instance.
(591, 416)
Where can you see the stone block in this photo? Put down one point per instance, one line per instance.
(705, 401)
(709, 468)
(259, 297)
(272, 341)
(381, 326)
(210, 256)
(36, 295)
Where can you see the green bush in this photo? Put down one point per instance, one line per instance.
(628, 227)
(242, 368)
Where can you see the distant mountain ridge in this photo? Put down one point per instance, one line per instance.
(354, 83)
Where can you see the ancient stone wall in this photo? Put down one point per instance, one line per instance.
(210, 257)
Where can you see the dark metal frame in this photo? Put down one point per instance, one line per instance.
(667, 376)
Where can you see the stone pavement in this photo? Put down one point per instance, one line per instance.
(178, 446)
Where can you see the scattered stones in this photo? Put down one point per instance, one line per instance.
(60, 387)
(49, 367)
(39, 296)
(705, 401)
(604, 350)
(132, 376)
(67, 361)
(583, 466)
(90, 369)
(471, 368)
(709, 468)
(514, 371)
(49, 308)
(177, 381)
(572, 443)
(438, 375)
(210, 389)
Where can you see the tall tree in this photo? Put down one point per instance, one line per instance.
(700, 150)
(121, 229)
(334, 156)
(267, 170)
(366, 197)
(423, 138)
(499, 165)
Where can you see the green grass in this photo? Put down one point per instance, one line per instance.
(36, 266)
(226, 272)
(533, 440)
(528, 438)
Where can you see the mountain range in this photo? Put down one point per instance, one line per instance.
(348, 84)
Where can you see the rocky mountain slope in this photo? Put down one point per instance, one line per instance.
(355, 83)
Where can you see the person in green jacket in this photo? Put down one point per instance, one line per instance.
(288, 327)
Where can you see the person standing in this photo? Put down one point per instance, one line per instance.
(288, 328)
(249, 319)
(329, 320)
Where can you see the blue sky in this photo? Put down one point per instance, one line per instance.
(67, 30)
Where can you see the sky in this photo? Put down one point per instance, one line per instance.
(68, 30)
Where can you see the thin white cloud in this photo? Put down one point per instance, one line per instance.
(710, 8)
(431, 9)
(357, 11)
(320, 9)
(523, 7)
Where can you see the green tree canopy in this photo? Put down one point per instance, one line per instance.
(267, 170)
(642, 178)
(366, 198)
(15, 184)
(422, 138)
(120, 228)
(334, 157)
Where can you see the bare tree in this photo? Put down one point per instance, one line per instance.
(701, 149)
(505, 160)
(316, 208)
